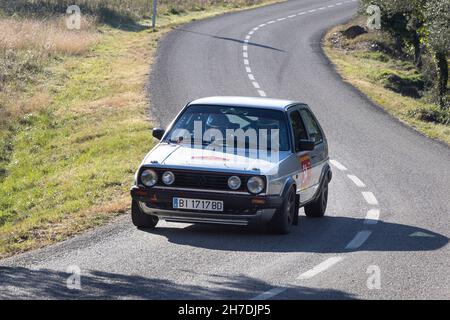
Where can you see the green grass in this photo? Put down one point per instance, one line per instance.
(68, 157)
(369, 71)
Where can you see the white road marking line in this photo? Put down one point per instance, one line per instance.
(255, 28)
(262, 93)
(262, 25)
(270, 22)
(301, 13)
(246, 62)
(292, 16)
(322, 8)
(338, 165)
(245, 54)
(251, 32)
(356, 181)
(247, 37)
(281, 19)
(319, 268)
(246, 41)
(256, 85)
(339, 3)
(311, 11)
(372, 216)
(358, 240)
(251, 77)
(245, 48)
(269, 294)
(422, 235)
(370, 198)
(248, 69)
(331, 6)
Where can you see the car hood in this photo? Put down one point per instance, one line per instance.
(175, 156)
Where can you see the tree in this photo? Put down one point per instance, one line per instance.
(436, 35)
(403, 19)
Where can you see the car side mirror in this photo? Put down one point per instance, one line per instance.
(306, 145)
(158, 133)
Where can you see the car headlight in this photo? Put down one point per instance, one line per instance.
(234, 183)
(168, 178)
(255, 185)
(149, 177)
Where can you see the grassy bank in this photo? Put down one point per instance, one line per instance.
(74, 123)
(370, 63)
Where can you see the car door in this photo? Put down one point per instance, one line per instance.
(299, 132)
(319, 155)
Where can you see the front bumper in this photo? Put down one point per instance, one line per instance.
(239, 209)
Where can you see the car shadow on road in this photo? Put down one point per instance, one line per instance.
(24, 283)
(325, 235)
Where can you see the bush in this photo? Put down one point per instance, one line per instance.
(435, 115)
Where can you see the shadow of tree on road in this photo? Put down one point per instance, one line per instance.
(230, 39)
(24, 283)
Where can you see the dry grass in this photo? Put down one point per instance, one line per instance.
(48, 36)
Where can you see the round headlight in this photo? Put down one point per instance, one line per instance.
(149, 177)
(168, 178)
(255, 185)
(234, 183)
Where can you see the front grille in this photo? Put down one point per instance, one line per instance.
(202, 180)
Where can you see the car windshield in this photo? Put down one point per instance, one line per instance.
(238, 127)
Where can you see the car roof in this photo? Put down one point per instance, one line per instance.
(249, 102)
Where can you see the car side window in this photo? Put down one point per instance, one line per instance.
(311, 126)
(298, 127)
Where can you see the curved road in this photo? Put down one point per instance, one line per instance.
(383, 170)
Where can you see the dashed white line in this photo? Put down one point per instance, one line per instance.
(248, 69)
(251, 77)
(262, 93)
(246, 62)
(292, 16)
(269, 294)
(256, 85)
(319, 268)
(370, 198)
(356, 181)
(372, 216)
(338, 165)
(359, 239)
(245, 54)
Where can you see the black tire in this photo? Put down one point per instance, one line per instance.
(316, 209)
(284, 217)
(140, 219)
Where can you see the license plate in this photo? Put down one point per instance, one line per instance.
(197, 204)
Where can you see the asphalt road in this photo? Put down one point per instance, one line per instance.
(402, 177)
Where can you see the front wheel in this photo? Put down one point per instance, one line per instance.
(284, 218)
(140, 219)
(317, 208)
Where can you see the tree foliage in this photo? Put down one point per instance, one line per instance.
(425, 24)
